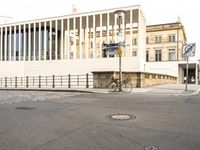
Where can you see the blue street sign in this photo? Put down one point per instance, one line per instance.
(112, 48)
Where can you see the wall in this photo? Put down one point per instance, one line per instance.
(63, 67)
(102, 79)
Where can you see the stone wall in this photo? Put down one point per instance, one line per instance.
(138, 79)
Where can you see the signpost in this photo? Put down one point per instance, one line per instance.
(188, 51)
(113, 48)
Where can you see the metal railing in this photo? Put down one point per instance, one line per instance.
(54, 81)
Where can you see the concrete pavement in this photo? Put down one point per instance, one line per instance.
(171, 89)
(64, 121)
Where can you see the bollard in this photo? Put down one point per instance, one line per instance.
(26, 81)
(69, 82)
(5, 81)
(39, 84)
(15, 82)
(87, 80)
(53, 81)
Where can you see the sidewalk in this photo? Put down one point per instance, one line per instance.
(171, 89)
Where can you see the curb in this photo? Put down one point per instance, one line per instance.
(50, 90)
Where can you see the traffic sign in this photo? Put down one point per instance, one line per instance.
(120, 52)
(189, 50)
(111, 48)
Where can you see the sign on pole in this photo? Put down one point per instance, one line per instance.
(111, 49)
(189, 50)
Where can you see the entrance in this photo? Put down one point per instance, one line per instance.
(191, 76)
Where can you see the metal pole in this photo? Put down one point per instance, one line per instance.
(120, 57)
(186, 83)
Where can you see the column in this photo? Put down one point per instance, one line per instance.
(34, 46)
(39, 51)
(1, 47)
(10, 43)
(86, 37)
(56, 41)
(50, 52)
(131, 32)
(74, 43)
(45, 40)
(62, 39)
(19, 52)
(29, 42)
(15, 37)
(100, 52)
(80, 38)
(68, 39)
(108, 32)
(5, 50)
(123, 24)
(94, 37)
(115, 29)
(24, 43)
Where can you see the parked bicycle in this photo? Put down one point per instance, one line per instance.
(114, 85)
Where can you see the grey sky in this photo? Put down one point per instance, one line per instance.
(156, 11)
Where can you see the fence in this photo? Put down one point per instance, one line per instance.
(54, 81)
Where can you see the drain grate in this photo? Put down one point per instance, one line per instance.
(151, 148)
(121, 117)
(25, 108)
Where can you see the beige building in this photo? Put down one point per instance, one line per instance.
(164, 44)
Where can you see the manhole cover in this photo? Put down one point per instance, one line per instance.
(151, 148)
(121, 116)
(25, 108)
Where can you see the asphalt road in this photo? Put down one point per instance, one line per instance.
(77, 121)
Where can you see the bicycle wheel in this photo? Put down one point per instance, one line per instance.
(112, 87)
(126, 87)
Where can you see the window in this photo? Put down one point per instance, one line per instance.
(91, 45)
(158, 39)
(172, 38)
(147, 40)
(158, 55)
(147, 55)
(134, 41)
(171, 54)
(134, 53)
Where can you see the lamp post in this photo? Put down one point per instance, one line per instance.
(119, 14)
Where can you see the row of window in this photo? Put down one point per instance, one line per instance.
(158, 39)
(158, 55)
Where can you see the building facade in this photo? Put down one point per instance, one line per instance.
(73, 44)
(70, 44)
(164, 44)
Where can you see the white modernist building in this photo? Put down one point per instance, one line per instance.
(73, 44)
(70, 44)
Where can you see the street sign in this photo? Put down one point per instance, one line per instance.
(189, 50)
(120, 52)
(112, 49)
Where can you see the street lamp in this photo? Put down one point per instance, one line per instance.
(119, 14)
